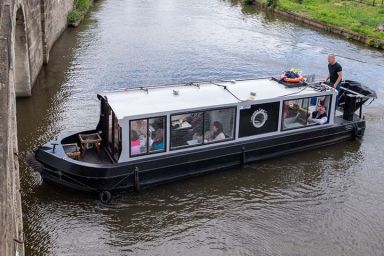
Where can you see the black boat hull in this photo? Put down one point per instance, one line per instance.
(139, 174)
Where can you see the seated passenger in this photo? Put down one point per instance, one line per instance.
(158, 141)
(217, 132)
(208, 136)
(292, 109)
(135, 143)
(196, 122)
(140, 126)
(158, 124)
(319, 116)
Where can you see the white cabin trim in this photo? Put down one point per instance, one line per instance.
(283, 94)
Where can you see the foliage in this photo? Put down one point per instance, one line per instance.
(80, 8)
(74, 16)
(248, 2)
(373, 42)
(271, 3)
(82, 5)
(381, 10)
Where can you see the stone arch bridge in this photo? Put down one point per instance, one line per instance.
(28, 30)
(32, 27)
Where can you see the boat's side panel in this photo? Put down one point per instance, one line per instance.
(237, 155)
(158, 170)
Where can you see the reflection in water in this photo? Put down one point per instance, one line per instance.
(328, 201)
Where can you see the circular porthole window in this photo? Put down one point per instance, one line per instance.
(259, 117)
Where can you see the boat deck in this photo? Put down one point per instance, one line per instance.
(339, 118)
(92, 157)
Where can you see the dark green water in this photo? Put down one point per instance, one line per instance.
(323, 202)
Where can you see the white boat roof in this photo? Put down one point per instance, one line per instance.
(154, 100)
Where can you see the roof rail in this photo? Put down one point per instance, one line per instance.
(194, 83)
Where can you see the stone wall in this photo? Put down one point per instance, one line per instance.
(11, 224)
(28, 30)
(54, 21)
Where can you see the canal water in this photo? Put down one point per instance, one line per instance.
(323, 202)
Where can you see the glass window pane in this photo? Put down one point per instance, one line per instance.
(186, 130)
(319, 110)
(295, 113)
(219, 124)
(116, 138)
(156, 134)
(110, 129)
(138, 137)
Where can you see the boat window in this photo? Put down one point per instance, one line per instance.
(110, 129)
(157, 134)
(117, 138)
(219, 125)
(304, 112)
(198, 128)
(295, 114)
(186, 130)
(319, 110)
(147, 136)
(138, 137)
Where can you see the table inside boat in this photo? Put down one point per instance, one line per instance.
(93, 139)
(181, 133)
(178, 125)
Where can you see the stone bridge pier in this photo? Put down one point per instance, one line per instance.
(35, 26)
(28, 30)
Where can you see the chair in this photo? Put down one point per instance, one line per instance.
(72, 150)
(92, 138)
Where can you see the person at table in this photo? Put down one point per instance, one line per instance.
(319, 116)
(140, 126)
(196, 125)
(291, 108)
(158, 141)
(135, 143)
(216, 132)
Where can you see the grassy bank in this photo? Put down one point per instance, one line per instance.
(350, 15)
(80, 9)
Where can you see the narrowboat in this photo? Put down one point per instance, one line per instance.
(148, 136)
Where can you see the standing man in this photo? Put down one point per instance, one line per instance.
(335, 74)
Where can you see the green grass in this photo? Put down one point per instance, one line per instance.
(351, 15)
(80, 8)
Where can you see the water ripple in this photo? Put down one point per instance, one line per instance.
(324, 202)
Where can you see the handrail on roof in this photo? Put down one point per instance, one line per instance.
(144, 89)
(195, 83)
(226, 88)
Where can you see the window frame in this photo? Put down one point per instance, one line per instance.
(115, 124)
(203, 128)
(309, 103)
(164, 139)
(147, 142)
(233, 130)
(108, 133)
(170, 131)
(328, 111)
